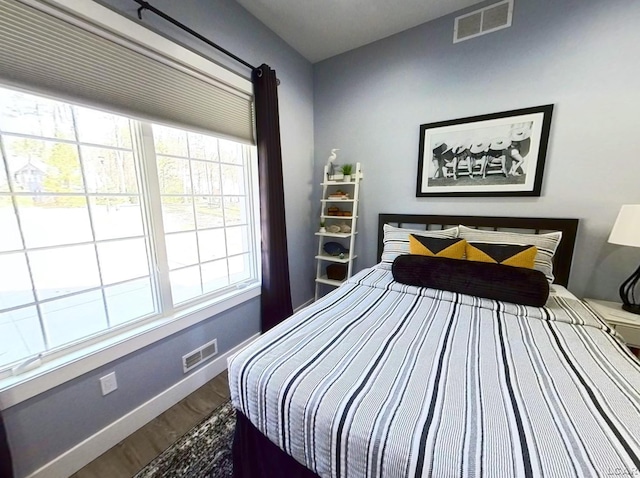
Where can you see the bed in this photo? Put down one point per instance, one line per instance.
(385, 379)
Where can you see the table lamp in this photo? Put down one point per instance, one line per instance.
(626, 232)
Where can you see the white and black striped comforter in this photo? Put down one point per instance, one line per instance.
(385, 380)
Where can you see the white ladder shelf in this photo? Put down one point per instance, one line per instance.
(347, 206)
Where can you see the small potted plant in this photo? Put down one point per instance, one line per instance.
(322, 228)
(347, 169)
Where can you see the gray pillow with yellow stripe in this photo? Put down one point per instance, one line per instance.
(453, 248)
(546, 244)
(396, 240)
(514, 255)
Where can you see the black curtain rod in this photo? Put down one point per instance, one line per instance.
(146, 6)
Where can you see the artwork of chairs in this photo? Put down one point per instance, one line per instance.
(477, 159)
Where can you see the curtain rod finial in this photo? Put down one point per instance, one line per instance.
(143, 6)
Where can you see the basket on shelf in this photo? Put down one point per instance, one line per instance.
(336, 271)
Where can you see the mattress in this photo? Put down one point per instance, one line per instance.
(381, 379)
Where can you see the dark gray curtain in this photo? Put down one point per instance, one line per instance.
(5, 455)
(276, 290)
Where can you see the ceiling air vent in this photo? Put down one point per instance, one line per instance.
(195, 358)
(486, 20)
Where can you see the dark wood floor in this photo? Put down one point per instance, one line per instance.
(137, 450)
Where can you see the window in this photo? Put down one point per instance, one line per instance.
(106, 222)
(203, 189)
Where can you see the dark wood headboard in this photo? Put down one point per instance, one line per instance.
(561, 260)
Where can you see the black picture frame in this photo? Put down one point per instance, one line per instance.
(492, 155)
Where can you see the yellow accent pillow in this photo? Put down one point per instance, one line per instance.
(505, 254)
(453, 248)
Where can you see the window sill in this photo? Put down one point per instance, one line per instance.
(16, 389)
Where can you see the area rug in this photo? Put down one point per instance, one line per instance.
(203, 452)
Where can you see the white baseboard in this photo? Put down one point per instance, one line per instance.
(88, 450)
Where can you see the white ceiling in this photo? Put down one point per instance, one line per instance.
(319, 29)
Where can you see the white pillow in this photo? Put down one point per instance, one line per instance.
(396, 240)
(546, 244)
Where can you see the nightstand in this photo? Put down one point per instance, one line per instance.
(625, 323)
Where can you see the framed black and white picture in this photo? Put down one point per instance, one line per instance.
(499, 154)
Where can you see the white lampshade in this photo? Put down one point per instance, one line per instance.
(626, 229)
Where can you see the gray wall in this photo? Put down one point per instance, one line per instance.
(45, 426)
(582, 56)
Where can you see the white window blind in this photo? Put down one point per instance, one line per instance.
(48, 54)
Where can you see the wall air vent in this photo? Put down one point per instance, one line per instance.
(486, 20)
(195, 358)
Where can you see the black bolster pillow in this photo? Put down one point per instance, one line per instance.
(481, 279)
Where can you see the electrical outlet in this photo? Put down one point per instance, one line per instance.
(108, 383)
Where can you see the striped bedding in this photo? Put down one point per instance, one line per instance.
(381, 379)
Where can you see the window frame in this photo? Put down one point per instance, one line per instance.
(72, 361)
